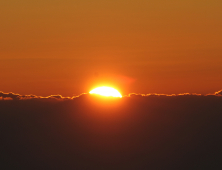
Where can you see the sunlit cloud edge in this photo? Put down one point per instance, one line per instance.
(16, 96)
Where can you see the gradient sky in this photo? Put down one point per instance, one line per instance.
(69, 47)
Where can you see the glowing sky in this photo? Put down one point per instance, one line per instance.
(67, 47)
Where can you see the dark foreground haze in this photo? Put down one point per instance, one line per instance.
(88, 132)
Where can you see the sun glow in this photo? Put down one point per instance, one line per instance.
(106, 91)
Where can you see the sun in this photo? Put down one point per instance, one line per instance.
(106, 91)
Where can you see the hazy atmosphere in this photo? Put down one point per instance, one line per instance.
(110, 85)
(68, 47)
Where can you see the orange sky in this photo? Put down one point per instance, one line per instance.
(69, 47)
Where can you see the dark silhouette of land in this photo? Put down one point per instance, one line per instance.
(153, 132)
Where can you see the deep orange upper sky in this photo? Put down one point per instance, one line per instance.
(68, 47)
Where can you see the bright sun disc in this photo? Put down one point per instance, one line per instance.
(106, 91)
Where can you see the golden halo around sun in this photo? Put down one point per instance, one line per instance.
(106, 91)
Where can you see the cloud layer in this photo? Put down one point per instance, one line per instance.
(15, 96)
(87, 132)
